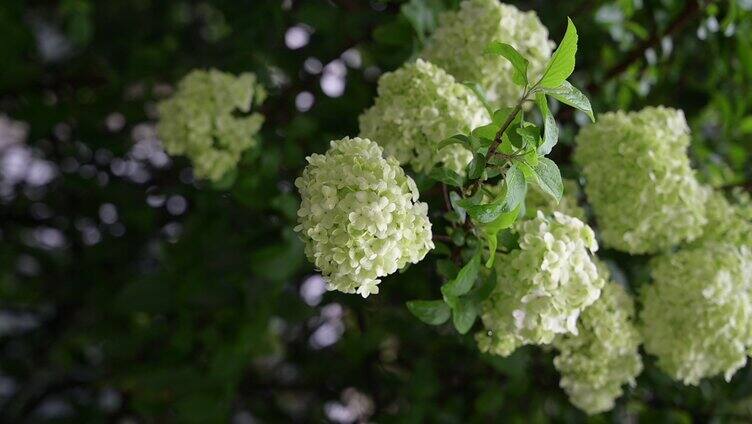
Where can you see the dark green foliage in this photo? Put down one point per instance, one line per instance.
(186, 306)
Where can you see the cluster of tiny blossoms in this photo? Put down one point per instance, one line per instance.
(458, 44)
(697, 314)
(604, 355)
(360, 218)
(201, 121)
(418, 106)
(639, 181)
(536, 200)
(543, 286)
(727, 222)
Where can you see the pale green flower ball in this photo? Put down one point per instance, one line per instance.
(604, 355)
(417, 107)
(207, 120)
(459, 42)
(360, 218)
(727, 222)
(639, 182)
(536, 200)
(543, 286)
(697, 314)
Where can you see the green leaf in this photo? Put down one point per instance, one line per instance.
(446, 269)
(488, 131)
(446, 176)
(509, 239)
(488, 212)
(491, 230)
(527, 170)
(562, 62)
(505, 220)
(549, 178)
(569, 94)
(515, 137)
(476, 166)
(464, 315)
(465, 278)
(529, 134)
(492, 241)
(516, 186)
(397, 33)
(432, 312)
(744, 53)
(519, 63)
(485, 288)
(449, 299)
(454, 199)
(455, 139)
(550, 128)
(745, 126)
(531, 157)
(478, 90)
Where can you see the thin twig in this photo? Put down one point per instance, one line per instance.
(442, 237)
(447, 202)
(743, 185)
(504, 126)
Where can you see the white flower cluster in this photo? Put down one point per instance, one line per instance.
(697, 314)
(459, 42)
(418, 106)
(360, 218)
(604, 355)
(543, 286)
(639, 181)
(536, 200)
(201, 120)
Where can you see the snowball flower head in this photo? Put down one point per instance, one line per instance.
(458, 44)
(603, 356)
(360, 218)
(639, 181)
(727, 222)
(207, 120)
(543, 286)
(697, 314)
(417, 107)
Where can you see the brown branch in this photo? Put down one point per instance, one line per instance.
(504, 126)
(447, 202)
(442, 238)
(691, 11)
(743, 185)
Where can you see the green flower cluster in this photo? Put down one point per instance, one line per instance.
(697, 314)
(543, 286)
(536, 200)
(418, 106)
(604, 355)
(360, 218)
(727, 222)
(459, 42)
(202, 120)
(639, 181)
